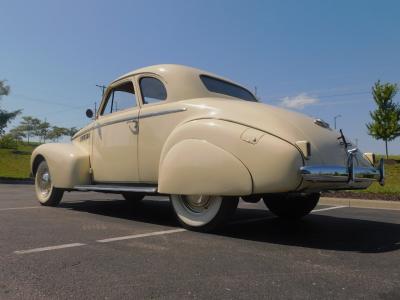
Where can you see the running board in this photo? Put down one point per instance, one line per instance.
(117, 188)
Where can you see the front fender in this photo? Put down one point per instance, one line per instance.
(196, 167)
(68, 164)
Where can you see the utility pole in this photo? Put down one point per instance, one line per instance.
(335, 117)
(95, 111)
(103, 88)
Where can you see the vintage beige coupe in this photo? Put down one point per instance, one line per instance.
(205, 141)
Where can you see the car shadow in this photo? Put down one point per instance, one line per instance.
(314, 231)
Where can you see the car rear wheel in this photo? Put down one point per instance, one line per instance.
(203, 213)
(291, 206)
(46, 193)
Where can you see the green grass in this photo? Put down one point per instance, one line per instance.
(15, 164)
(392, 179)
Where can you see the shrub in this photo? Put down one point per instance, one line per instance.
(8, 142)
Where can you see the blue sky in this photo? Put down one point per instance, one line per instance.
(318, 57)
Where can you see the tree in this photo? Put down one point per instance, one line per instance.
(385, 123)
(6, 116)
(29, 125)
(56, 132)
(72, 131)
(17, 133)
(42, 131)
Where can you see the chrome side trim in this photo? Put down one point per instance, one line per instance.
(163, 112)
(82, 133)
(322, 123)
(116, 188)
(143, 116)
(126, 119)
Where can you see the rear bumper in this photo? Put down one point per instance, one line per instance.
(349, 175)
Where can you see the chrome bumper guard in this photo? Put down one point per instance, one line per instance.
(345, 174)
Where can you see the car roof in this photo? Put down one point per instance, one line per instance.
(182, 82)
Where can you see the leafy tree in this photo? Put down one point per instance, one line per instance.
(385, 123)
(17, 133)
(42, 131)
(29, 125)
(6, 116)
(72, 131)
(56, 132)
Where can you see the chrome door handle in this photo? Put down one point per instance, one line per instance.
(133, 126)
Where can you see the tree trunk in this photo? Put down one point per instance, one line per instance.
(387, 152)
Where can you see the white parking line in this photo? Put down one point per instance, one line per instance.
(328, 208)
(49, 248)
(135, 236)
(17, 208)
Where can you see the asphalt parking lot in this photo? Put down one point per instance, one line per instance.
(100, 246)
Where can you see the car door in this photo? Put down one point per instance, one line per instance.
(115, 137)
(158, 118)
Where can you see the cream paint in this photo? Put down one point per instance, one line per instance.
(257, 136)
(208, 170)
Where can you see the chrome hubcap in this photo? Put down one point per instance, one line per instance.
(197, 203)
(44, 181)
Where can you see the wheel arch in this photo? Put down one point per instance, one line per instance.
(68, 164)
(193, 162)
(272, 164)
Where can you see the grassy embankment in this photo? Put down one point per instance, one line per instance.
(14, 164)
(392, 180)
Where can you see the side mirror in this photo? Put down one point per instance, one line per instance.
(89, 113)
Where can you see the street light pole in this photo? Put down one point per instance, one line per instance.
(335, 117)
(103, 88)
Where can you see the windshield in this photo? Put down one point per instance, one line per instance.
(223, 87)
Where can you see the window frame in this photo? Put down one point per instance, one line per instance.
(201, 76)
(109, 90)
(155, 76)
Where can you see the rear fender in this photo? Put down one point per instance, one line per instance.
(197, 167)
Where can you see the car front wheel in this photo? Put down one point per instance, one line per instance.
(46, 193)
(291, 206)
(203, 213)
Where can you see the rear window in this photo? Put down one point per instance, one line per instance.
(222, 87)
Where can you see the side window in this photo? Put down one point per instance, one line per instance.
(153, 90)
(120, 98)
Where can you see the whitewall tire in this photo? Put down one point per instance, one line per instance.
(46, 193)
(203, 213)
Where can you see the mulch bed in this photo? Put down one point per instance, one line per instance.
(366, 196)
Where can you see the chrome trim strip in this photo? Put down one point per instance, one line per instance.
(116, 188)
(126, 119)
(82, 133)
(148, 115)
(322, 123)
(163, 112)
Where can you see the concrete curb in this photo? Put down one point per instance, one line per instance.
(376, 204)
(16, 181)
